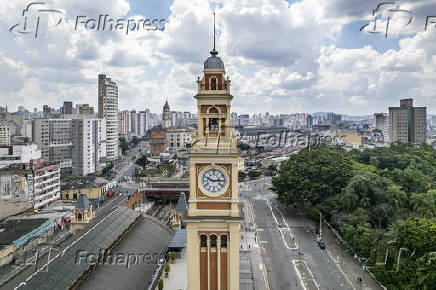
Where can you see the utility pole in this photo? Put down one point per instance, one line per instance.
(320, 225)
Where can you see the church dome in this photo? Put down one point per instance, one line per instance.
(214, 61)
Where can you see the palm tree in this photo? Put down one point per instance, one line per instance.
(424, 204)
(349, 201)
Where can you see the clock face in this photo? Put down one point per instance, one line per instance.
(214, 181)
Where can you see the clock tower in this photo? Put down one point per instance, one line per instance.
(214, 214)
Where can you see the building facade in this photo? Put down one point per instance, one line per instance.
(108, 109)
(18, 154)
(88, 145)
(178, 139)
(53, 137)
(214, 216)
(166, 116)
(46, 184)
(158, 143)
(5, 134)
(408, 123)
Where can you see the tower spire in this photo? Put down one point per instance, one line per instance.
(214, 52)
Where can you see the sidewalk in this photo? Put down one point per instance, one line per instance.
(177, 278)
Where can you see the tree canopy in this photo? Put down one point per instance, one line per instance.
(380, 200)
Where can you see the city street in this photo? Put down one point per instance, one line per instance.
(282, 253)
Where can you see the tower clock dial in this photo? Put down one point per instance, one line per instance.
(213, 181)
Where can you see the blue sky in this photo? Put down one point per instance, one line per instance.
(282, 56)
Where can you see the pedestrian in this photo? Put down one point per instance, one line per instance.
(249, 246)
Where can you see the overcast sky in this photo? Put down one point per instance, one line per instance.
(282, 56)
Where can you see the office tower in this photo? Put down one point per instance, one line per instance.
(53, 137)
(88, 145)
(309, 121)
(407, 123)
(67, 108)
(108, 109)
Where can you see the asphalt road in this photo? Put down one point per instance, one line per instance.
(277, 257)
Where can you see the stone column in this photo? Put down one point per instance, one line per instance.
(218, 255)
(208, 263)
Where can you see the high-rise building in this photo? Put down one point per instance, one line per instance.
(5, 134)
(122, 122)
(381, 124)
(407, 123)
(84, 109)
(108, 109)
(67, 108)
(53, 137)
(88, 145)
(166, 116)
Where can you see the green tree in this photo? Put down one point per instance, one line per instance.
(312, 175)
(160, 284)
(254, 174)
(424, 204)
(143, 161)
(241, 175)
(243, 146)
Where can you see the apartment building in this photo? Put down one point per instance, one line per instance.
(408, 123)
(108, 109)
(53, 138)
(88, 145)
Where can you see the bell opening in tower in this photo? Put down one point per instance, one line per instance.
(213, 125)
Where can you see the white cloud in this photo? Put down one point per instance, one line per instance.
(281, 57)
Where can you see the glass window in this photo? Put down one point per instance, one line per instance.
(213, 124)
(213, 83)
(223, 241)
(203, 241)
(213, 240)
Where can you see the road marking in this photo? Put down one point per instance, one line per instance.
(299, 275)
(340, 269)
(280, 229)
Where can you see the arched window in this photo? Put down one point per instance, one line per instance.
(223, 241)
(203, 241)
(213, 83)
(213, 110)
(213, 240)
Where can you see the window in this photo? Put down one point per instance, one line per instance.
(213, 240)
(223, 241)
(213, 124)
(213, 83)
(203, 241)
